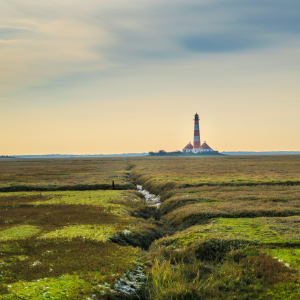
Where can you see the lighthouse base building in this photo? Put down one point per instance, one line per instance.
(198, 147)
(204, 148)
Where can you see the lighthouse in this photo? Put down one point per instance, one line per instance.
(197, 143)
(197, 148)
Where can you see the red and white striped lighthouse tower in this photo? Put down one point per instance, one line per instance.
(197, 143)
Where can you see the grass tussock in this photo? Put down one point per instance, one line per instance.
(242, 274)
(181, 281)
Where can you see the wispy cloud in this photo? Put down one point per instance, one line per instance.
(57, 39)
(10, 33)
(160, 30)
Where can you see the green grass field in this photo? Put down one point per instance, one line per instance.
(227, 228)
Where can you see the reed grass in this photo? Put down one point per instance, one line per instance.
(242, 274)
(240, 258)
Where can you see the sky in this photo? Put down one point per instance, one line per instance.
(95, 76)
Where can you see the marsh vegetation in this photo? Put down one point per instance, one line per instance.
(63, 174)
(227, 228)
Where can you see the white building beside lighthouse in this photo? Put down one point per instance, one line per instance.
(197, 147)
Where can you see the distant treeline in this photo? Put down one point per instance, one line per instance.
(5, 156)
(163, 152)
(179, 153)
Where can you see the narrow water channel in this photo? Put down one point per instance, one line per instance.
(131, 285)
(151, 199)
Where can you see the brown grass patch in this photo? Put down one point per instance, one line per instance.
(63, 174)
(160, 175)
(15, 199)
(53, 216)
(216, 194)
